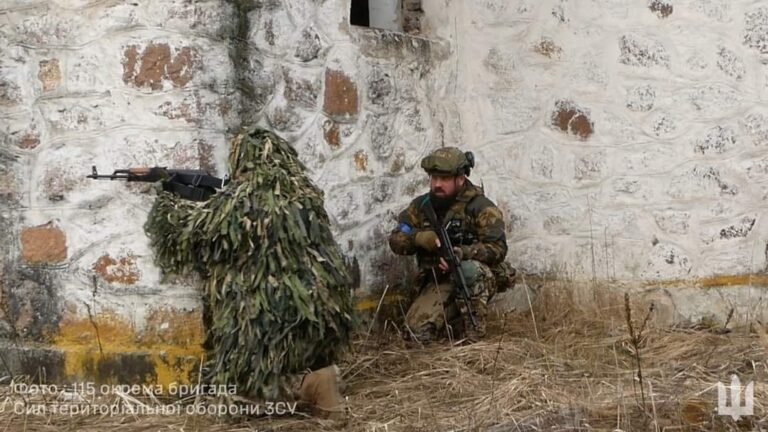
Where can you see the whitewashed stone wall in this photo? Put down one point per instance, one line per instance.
(111, 84)
(624, 140)
(117, 84)
(631, 129)
(360, 105)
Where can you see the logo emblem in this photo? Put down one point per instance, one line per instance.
(736, 410)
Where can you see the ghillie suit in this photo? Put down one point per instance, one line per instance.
(277, 292)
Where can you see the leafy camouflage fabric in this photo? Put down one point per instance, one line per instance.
(276, 289)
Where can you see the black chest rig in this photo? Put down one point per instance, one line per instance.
(458, 224)
(460, 228)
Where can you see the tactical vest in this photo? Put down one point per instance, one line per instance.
(462, 230)
(458, 223)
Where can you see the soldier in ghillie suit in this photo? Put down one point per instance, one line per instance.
(277, 299)
(475, 227)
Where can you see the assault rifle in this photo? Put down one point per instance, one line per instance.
(446, 251)
(195, 185)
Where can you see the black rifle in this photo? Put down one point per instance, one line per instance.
(446, 251)
(195, 185)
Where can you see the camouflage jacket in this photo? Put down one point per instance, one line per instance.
(473, 223)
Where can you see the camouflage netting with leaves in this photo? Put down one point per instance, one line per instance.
(277, 290)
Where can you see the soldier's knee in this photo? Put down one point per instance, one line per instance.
(414, 318)
(479, 278)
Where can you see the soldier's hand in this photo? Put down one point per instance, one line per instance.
(427, 240)
(443, 265)
(459, 253)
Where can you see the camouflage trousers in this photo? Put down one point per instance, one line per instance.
(439, 307)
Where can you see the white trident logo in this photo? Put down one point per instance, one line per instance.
(735, 409)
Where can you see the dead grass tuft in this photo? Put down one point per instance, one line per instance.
(580, 373)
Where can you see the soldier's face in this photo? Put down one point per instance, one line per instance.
(445, 186)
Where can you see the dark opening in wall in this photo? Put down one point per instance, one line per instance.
(358, 14)
(395, 15)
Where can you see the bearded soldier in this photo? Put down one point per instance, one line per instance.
(475, 227)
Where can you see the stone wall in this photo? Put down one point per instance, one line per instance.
(110, 84)
(623, 140)
(359, 105)
(167, 83)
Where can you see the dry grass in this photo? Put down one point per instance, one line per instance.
(580, 373)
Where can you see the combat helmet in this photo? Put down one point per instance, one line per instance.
(448, 161)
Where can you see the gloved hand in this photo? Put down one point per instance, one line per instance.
(459, 252)
(443, 265)
(426, 240)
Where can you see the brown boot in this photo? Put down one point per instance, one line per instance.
(320, 390)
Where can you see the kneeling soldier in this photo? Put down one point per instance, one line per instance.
(475, 227)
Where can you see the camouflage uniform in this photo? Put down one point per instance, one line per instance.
(476, 226)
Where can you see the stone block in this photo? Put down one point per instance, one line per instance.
(548, 48)
(572, 119)
(661, 8)
(340, 99)
(157, 64)
(121, 270)
(332, 134)
(673, 221)
(642, 52)
(308, 46)
(755, 29)
(49, 74)
(43, 244)
(717, 140)
(300, 91)
(641, 98)
(666, 261)
(361, 160)
(731, 63)
(590, 167)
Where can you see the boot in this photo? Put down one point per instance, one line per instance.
(321, 391)
(424, 334)
(473, 334)
(480, 292)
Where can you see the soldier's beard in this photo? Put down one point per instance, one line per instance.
(441, 203)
